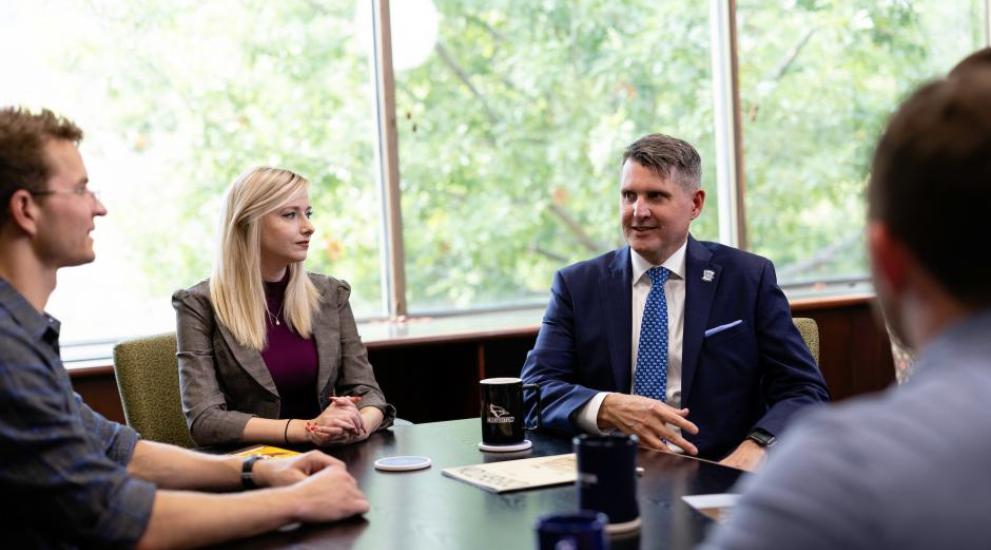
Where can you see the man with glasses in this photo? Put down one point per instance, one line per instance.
(70, 477)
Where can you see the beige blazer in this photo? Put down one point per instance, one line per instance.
(223, 384)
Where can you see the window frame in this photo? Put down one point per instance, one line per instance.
(729, 162)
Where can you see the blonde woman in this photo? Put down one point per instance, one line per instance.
(267, 352)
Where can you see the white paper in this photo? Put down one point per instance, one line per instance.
(715, 506)
(514, 475)
(718, 500)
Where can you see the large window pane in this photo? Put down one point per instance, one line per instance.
(177, 98)
(818, 81)
(511, 124)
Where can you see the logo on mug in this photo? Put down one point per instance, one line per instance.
(587, 478)
(499, 415)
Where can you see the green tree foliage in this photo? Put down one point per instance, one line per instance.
(511, 136)
(818, 81)
(201, 91)
(510, 132)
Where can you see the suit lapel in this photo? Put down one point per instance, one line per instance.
(322, 332)
(250, 360)
(701, 280)
(618, 315)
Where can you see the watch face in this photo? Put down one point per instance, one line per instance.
(762, 438)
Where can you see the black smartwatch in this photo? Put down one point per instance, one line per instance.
(762, 437)
(247, 480)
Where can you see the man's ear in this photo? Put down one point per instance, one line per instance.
(698, 201)
(891, 262)
(23, 212)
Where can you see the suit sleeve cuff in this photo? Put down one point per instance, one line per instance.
(588, 416)
(219, 427)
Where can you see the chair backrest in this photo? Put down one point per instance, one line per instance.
(148, 381)
(810, 333)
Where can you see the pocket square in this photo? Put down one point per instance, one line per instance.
(716, 330)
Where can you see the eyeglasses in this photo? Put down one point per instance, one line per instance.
(78, 191)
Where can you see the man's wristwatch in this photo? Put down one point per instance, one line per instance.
(762, 437)
(247, 480)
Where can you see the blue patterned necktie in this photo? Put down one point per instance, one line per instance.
(651, 378)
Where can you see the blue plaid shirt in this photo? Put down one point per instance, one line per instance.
(63, 467)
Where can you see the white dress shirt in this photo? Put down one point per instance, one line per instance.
(674, 295)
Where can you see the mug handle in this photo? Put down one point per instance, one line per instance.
(536, 388)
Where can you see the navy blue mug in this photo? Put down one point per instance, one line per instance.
(575, 531)
(607, 477)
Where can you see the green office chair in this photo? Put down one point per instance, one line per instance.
(148, 381)
(810, 333)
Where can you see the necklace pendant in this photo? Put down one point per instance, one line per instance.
(277, 322)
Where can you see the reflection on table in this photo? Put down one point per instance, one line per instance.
(424, 509)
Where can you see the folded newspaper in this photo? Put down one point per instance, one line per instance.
(516, 475)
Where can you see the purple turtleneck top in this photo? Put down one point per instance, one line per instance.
(290, 358)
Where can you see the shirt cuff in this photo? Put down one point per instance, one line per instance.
(122, 447)
(588, 415)
(588, 420)
(219, 427)
(131, 513)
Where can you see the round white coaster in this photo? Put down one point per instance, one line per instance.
(402, 463)
(624, 527)
(522, 446)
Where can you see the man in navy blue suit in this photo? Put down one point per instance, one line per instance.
(687, 344)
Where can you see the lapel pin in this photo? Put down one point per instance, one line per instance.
(707, 275)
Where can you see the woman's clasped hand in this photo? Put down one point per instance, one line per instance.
(340, 423)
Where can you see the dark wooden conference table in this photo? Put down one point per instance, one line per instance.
(424, 509)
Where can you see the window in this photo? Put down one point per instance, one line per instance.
(818, 81)
(511, 131)
(511, 119)
(176, 99)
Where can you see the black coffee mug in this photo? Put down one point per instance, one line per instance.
(502, 410)
(607, 477)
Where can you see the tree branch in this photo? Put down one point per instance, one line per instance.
(548, 254)
(500, 39)
(465, 79)
(790, 271)
(498, 36)
(576, 229)
(791, 56)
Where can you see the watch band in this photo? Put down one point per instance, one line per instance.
(247, 479)
(763, 438)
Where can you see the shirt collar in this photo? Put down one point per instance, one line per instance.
(966, 339)
(23, 313)
(675, 263)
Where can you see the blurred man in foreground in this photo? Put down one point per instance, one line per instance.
(907, 469)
